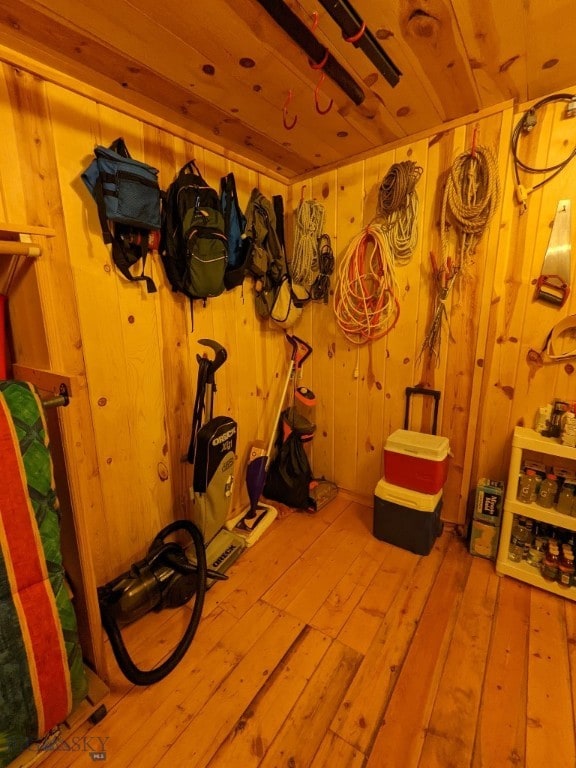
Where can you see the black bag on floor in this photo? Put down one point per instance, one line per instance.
(289, 474)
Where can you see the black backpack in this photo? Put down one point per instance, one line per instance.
(193, 243)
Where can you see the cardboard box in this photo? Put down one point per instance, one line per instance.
(488, 503)
(484, 539)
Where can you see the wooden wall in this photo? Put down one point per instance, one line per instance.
(132, 356)
(366, 386)
(487, 385)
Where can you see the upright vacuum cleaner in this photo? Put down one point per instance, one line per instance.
(212, 451)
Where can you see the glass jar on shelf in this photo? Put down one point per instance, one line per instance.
(547, 491)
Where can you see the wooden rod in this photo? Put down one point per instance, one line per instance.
(15, 248)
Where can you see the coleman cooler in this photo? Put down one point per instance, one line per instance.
(416, 461)
(406, 518)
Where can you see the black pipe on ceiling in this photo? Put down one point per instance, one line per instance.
(351, 25)
(303, 37)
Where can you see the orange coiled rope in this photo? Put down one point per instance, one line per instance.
(366, 293)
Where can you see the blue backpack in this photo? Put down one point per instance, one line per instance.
(127, 194)
(235, 228)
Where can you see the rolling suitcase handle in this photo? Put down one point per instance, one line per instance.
(429, 393)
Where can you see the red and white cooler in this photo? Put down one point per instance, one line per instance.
(416, 460)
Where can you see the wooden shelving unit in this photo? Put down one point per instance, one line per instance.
(527, 440)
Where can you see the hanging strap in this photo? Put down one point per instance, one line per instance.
(229, 195)
(278, 206)
(126, 253)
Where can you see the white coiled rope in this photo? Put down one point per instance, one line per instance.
(366, 293)
(309, 227)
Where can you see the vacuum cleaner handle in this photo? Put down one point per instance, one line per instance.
(220, 356)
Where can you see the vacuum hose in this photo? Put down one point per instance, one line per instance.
(180, 565)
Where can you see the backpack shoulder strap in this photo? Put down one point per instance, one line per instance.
(123, 260)
(229, 199)
(278, 206)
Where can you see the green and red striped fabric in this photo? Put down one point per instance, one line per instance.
(41, 671)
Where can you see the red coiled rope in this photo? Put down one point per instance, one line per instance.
(366, 293)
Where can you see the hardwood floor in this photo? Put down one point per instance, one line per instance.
(327, 648)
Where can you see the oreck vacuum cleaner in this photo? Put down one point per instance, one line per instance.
(212, 451)
(165, 578)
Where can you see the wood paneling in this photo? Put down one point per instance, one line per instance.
(370, 381)
(224, 70)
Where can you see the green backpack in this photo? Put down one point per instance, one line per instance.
(193, 243)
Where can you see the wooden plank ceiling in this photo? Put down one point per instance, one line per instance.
(224, 69)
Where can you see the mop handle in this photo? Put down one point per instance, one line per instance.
(300, 352)
(278, 412)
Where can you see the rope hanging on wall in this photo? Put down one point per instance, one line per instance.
(366, 292)
(320, 289)
(309, 226)
(470, 199)
(398, 205)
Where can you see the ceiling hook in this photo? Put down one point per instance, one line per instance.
(287, 125)
(316, 97)
(354, 38)
(320, 64)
